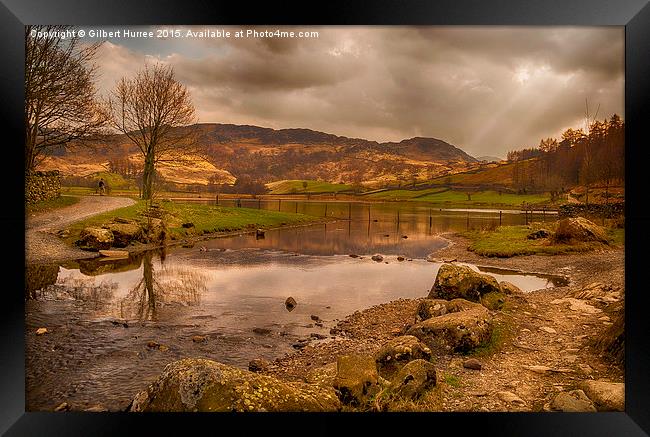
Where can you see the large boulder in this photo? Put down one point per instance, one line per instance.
(195, 384)
(579, 229)
(399, 351)
(124, 233)
(466, 325)
(356, 379)
(509, 288)
(458, 281)
(413, 379)
(93, 238)
(606, 396)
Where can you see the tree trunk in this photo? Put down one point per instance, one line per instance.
(147, 178)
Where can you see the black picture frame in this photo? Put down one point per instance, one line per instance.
(633, 14)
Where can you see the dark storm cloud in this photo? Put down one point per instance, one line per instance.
(486, 90)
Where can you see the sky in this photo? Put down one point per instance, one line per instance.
(486, 90)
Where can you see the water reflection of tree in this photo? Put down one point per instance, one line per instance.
(94, 296)
(159, 288)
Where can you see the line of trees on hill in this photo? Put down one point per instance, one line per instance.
(577, 158)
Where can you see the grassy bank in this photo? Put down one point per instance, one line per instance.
(49, 205)
(508, 241)
(206, 218)
(459, 199)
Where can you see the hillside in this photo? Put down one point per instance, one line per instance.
(269, 155)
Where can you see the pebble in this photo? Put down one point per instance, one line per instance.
(548, 330)
(473, 364)
(314, 317)
(97, 409)
(41, 331)
(511, 398)
(63, 406)
(198, 339)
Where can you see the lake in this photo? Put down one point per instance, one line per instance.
(101, 315)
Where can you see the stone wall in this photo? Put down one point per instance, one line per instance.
(610, 210)
(41, 186)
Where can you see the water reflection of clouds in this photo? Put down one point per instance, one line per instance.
(341, 280)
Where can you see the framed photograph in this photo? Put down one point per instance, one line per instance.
(349, 213)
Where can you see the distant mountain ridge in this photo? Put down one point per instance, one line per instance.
(423, 147)
(267, 155)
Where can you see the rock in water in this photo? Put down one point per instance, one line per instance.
(93, 238)
(413, 379)
(575, 401)
(199, 385)
(356, 379)
(456, 281)
(399, 351)
(606, 396)
(465, 326)
(290, 304)
(579, 229)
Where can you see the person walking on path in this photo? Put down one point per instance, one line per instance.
(102, 187)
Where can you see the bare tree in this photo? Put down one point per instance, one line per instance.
(152, 110)
(60, 104)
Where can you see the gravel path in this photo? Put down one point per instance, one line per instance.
(41, 243)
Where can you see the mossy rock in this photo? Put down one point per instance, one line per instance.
(428, 308)
(200, 385)
(414, 379)
(466, 326)
(457, 281)
(494, 300)
(399, 351)
(579, 229)
(357, 379)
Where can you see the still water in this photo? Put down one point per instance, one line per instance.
(101, 315)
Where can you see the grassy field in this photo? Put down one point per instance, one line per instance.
(114, 180)
(457, 198)
(403, 194)
(206, 218)
(508, 241)
(48, 205)
(313, 187)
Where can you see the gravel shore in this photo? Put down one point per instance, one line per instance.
(563, 358)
